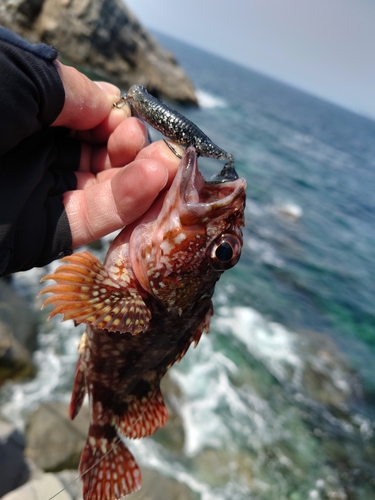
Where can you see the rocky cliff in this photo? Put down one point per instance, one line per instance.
(102, 38)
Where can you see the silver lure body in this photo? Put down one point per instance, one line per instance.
(177, 128)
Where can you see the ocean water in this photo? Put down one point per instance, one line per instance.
(278, 401)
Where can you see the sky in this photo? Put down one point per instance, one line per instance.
(325, 47)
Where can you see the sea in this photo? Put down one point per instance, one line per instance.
(278, 401)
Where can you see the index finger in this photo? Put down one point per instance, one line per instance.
(86, 103)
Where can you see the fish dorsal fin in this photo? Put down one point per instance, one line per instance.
(86, 293)
(107, 467)
(143, 416)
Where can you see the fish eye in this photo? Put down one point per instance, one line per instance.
(225, 252)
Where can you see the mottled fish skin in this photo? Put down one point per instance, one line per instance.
(144, 307)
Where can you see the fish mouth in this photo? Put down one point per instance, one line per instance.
(206, 198)
(192, 210)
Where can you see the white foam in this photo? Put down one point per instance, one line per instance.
(207, 100)
(270, 342)
(264, 252)
(55, 361)
(151, 454)
(290, 210)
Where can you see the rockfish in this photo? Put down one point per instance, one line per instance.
(143, 308)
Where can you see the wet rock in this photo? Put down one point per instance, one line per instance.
(327, 378)
(103, 37)
(69, 487)
(17, 335)
(172, 435)
(156, 487)
(54, 442)
(14, 469)
(71, 482)
(41, 488)
(218, 467)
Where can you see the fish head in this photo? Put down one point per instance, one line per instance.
(168, 261)
(179, 256)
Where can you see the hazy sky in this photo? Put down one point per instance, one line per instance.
(326, 47)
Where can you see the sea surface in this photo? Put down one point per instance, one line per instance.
(278, 401)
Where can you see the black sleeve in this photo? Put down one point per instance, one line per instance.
(37, 162)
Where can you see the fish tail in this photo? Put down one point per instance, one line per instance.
(108, 469)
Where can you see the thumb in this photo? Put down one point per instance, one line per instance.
(86, 103)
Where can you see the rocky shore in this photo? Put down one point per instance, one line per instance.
(53, 443)
(102, 38)
(17, 335)
(105, 40)
(43, 460)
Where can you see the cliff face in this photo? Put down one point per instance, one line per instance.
(104, 37)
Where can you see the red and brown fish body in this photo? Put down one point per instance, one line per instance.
(144, 307)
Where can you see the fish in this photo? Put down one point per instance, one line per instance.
(144, 307)
(177, 128)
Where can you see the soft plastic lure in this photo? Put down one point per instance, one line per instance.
(177, 128)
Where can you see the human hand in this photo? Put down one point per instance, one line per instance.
(119, 177)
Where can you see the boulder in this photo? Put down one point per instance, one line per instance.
(65, 484)
(17, 334)
(54, 442)
(44, 487)
(13, 466)
(101, 37)
(157, 487)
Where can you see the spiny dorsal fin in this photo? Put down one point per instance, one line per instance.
(85, 292)
(143, 416)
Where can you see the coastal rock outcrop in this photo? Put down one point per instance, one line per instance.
(13, 466)
(102, 38)
(17, 335)
(54, 443)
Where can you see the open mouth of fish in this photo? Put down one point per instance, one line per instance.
(204, 198)
(195, 213)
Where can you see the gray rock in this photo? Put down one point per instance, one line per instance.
(17, 335)
(40, 489)
(172, 435)
(72, 483)
(157, 487)
(68, 487)
(102, 36)
(13, 466)
(54, 442)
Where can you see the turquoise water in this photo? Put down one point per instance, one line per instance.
(298, 154)
(278, 401)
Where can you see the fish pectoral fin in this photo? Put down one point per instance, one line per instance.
(79, 389)
(86, 293)
(144, 416)
(108, 469)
